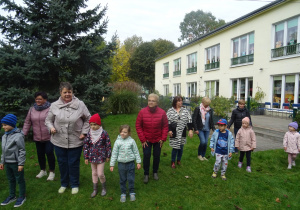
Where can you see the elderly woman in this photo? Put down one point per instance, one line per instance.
(68, 122)
(178, 117)
(152, 129)
(202, 123)
(36, 118)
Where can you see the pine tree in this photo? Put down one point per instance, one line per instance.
(49, 41)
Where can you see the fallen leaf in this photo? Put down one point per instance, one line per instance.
(188, 177)
(157, 207)
(286, 196)
(180, 207)
(36, 164)
(165, 154)
(278, 200)
(31, 157)
(289, 206)
(155, 204)
(237, 207)
(110, 198)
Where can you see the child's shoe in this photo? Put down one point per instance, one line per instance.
(248, 169)
(132, 197)
(240, 164)
(123, 198)
(8, 200)
(289, 166)
(20, 201)
(62, 190)
(293, 163)
(41, 174)
(75, 190)
(51, 176)
(214, 175)
(223, 177)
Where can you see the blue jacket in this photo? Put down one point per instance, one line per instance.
(214, 139)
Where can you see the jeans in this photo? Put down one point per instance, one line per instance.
(177, 152)
(13, 176)
(45, 148)
(203, 136)
(126, 172)
(147, 156)
(235, 132)
(68, 162)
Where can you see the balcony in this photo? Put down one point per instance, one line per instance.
(212, 65)
(176, 73)
(166, 75)
(286, 50)
(191, 70)
(242, 59)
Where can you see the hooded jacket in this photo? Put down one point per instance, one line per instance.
(214, 139)
(291, 141)
(245, 139)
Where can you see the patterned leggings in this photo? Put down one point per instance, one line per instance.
(221, 159)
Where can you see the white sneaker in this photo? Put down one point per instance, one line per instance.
(289, 167)
(41, 174)
(62, 189)
(51, 176)
(204, 158)
(75, 190)
(293, 163)
(200, 157)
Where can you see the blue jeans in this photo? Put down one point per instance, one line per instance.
(235, 132)
(177, 152)
(126, 172)
(68, 162)
(203, 136)
(147, 156)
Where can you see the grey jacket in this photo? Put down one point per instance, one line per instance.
(70, 120)
(13, 148)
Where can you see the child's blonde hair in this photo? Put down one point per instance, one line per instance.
(125, 127)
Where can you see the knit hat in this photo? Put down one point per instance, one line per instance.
(246, 119)
(222, 122)
(10, 119)
(95, 119)
(294, 125)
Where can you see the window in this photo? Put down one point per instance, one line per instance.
(166, 90)
(192, 63)
(166, 70)
(286, 38)
(191, 89)
(243, 49)
(212, 88)
(212, 57)
(177, 89)
(277, 89)
(177, 67)
(242, 88)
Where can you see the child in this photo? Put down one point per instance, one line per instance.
(97, 150)
(125, 152)
(291, 143)
(221, 143)
(13, 158)
(245, 142)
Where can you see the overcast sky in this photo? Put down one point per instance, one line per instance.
(153, 19)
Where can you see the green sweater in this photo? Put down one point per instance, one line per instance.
(124, 151)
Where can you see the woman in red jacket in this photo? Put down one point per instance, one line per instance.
(152, 129)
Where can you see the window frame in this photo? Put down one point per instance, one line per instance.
(247, 56)
(190, 68)
(211, 64)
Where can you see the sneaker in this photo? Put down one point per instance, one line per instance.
(155, 176)
(293, 163)
(123, 198)
(41, 174)
(51, 176)
(75, 190)
(8, 200)
(200, 157)
(62, 189)
(289, 167)
(223, 177)
(214, 175)
(204, 158)
(146, 179)
(248, 169)
(173, 165)
(132, 197)
(20, 201)
(240, 164)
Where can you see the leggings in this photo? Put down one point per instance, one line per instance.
(248, 156)
(98, 172)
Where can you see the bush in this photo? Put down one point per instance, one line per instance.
(165, 102)
(297, 119)
(123, 102)
(222, 106)
(194, 102)
(127, 85)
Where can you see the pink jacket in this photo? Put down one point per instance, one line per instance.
(291, 141)
(36, 119)
(245, 139)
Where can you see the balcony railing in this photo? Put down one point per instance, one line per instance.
(191, 70)
(212, 65)
(176, 73)
(286, 50)
(242, 59)
(166, 75)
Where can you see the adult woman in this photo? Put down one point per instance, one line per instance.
(202, 123)
(68, 122)
(178, 117)
(152, 129)
(36, 118)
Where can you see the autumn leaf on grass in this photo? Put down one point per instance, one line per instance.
(31, 157)
(36, 164)
(286, 196)
(165, 154)
(278, 200)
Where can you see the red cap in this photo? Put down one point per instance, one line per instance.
(95, 119)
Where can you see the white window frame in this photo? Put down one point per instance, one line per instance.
(166, 68)
(209, 85)
(166, 90)
(238, 94)
(189, 57)
(178, 60)
(177, 89)
(239, 53)
(209, 59)
(189, 87)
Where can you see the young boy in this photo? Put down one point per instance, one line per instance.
(13, 157)
(221, 143)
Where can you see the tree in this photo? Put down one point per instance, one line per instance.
(198, 23)
(121, 65)
(131, 43)
(163, 46)
(48, 41)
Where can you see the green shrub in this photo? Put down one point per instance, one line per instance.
(297, 119)
(194, 102)
(165, 102)
(126, 85)
(222, 106)
(123, 102)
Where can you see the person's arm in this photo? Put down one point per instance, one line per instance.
(85, 117)
(86, 147)
(253, 140)
(114, 155)
(248, 115)
(21, 150)
(212, 141)
(136, 153)
(165, 127)
(27, 123)
(237, 140)
(194, 120)
(285, 141)
(108, 147)
(232, 148)
(139, 128)
(211, 121)
(49, 121)
(232, 119)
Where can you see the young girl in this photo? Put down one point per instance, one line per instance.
(125, 151)
(291, 143)
(245, 142)
(97, 150)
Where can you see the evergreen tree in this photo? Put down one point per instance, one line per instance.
(49, 41)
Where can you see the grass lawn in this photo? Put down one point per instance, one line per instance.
(269, 186)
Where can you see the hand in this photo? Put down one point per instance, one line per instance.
(145, 144)
(252, 149)
(239, 148)
(197, 132)
(161, 142)
(284, 148)
(107, 160)
(138, 166)
(20, 168)
(170, 133)
(230, 154)
(86, 161)
(191, 134)
(82, 136)
(212, 149)
(1, 166)
(111, 168)
(52, 130)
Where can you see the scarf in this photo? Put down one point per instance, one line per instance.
(152, 109)
(95, 134)
(42, 107)
(11, 131)
(203, 111)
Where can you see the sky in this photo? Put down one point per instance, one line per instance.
(154, 19)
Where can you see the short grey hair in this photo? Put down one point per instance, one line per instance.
(66, 85)
(153, 95)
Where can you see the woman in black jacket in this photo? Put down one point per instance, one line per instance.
(202, 123)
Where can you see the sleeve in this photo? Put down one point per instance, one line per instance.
(194, 119)
(86, 146)
(232, 148)
(211, 121)
(237, 139)
(114, 155)
(169, 119)
(107, 146)
(189, 124)
(213, 140)
(139, 127)
(27, 123)
(2, 160)
(136, 152)
(285, 138)
(22, 152)
(85, 117)
(253, 139)
(248, 115)
(232, 119)
(298, 142)
(49, 121)
(165, 127)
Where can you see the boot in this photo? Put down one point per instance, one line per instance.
(95, 187)
(103, 192)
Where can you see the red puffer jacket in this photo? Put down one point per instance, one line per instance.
(152, 125)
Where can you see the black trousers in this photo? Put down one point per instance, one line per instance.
(248, 156)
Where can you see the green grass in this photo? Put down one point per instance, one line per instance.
(257, 190)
